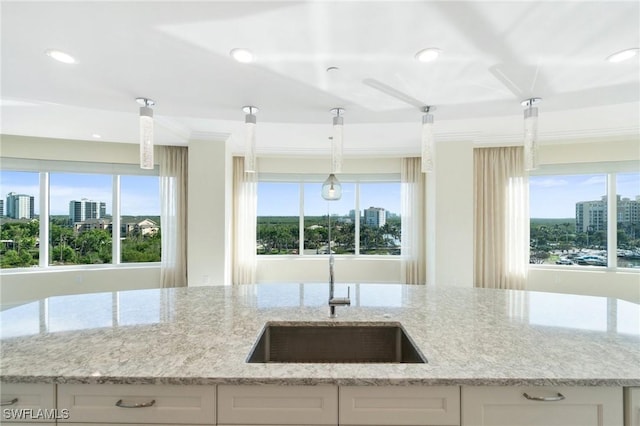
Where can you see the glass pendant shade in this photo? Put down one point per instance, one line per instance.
(331, 188)
(250, 144)
(427, 143)
(336, 144)
(146, 138)
(531, 138)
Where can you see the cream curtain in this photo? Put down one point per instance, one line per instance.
(245, 205)
(413, 222)
(501, 201)
(173, 215)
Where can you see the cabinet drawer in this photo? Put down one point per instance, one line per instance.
(21, 402)
(173, 404)
(632, 407)
(399, 405)
(567, 406)
(277, 405)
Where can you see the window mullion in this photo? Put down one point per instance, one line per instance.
(612, 221)
(357, 219)
(43, 254)
(115, 221)
(301, 219)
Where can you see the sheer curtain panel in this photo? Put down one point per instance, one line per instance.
(245, 205)
(173, 215)
(413, 234)
(501, 200)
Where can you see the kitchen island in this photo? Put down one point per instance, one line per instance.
(179, 356)
(203, 335)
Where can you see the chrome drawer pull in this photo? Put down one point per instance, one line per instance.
(11, 402)
(143, 405)
(558, 397)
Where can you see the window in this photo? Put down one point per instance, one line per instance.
(80, 219)
(140, 219)
(628, 221)
(19, 231)
(81, 201)
(320, 215)
(287, 205)
(278, 218)
(380, 224)
(570, 218)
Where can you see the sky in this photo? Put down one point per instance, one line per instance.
(551, 196)
(282, 199)
(139, 195)
(556, 196)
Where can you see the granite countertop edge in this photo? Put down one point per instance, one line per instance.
(302, 381)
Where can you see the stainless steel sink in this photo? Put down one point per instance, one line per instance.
(330, 342)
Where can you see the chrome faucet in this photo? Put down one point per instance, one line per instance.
(335, 301)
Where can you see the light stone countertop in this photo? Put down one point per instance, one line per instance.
(203, 335)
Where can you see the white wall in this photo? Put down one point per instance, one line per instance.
(22, 287)
(288, 269)
(577, 280)
(209, 215)
(450, 215)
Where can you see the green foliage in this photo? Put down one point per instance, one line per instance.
(280, 235)
(141, 249)
(21, 241)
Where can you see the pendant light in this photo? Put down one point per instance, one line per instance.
(331, 188)
(531, 133)
(250, 139)
(427, 140)
(336, 142)
(146, 132)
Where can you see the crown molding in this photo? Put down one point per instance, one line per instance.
(209, 136)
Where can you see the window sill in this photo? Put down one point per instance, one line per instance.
(582, 268)
(325, 257)
(75, 268)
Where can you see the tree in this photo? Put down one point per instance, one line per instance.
(538, 257)
(10, 259)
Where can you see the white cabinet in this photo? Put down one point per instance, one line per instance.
(399, 405)
(28, 403)
(632, 407)
(138, 404)
(277, 405)
(541, 406)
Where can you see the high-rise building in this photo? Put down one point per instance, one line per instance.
(375, 217)
(1, 208)
(20, 206)
(79, 211)
(592, 215)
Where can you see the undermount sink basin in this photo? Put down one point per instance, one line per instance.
(334, 343)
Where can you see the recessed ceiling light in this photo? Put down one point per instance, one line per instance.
(429, 54)
(60, 56)
(96, 136)
(623, 55)
(242, 55)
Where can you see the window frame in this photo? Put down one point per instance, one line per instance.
(45, 168)
(352, 178)
(610, 170)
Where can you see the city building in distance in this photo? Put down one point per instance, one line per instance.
(375, 217)
(83, 210)
(20, 206)
(591, 216)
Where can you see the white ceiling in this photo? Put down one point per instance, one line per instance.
(495, 54)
